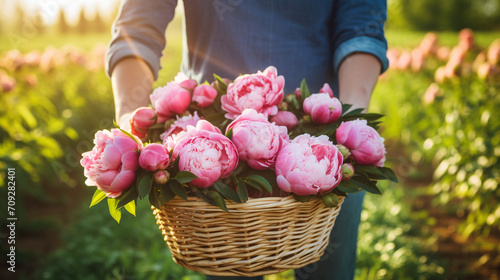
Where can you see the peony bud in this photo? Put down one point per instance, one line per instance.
(347, 171)
(330, 200)
(298, 94)
(161, 177)
(142, 119)
(285, 118)
(326, 89)
(343, 150)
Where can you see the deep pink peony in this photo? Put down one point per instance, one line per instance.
(363, 141)
(153, 157)
(170, 100)
(204, 95)
(206, 152)
(322, 108)
(285, 118)
(112, 163)
(262, 92)
(258, 141)
(142, 119)
(309, 165)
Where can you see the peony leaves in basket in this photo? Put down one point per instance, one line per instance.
(304, 90)
(258, 181)
(219, 201)
(97, 197)
(178, 189)
(185, 177)
(242, 191)
(115, 213)
(366, 184)
(226, 191)
(144, 185)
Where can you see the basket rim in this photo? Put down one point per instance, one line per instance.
(252, 204)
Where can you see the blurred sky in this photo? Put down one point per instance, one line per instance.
(49, 9)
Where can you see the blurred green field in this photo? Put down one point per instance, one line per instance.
(45, 127)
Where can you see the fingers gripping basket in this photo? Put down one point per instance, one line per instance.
(262, 236)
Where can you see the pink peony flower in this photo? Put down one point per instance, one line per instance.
(204, 95)
(170, 137)
(285, 118)
(153, 157)
(170, 100)
(207, 153)
(322, 108)
(112, 163)
(258, 141)
(326, 89)
(142, 119)
(364, 142)
(262, 92)
(184, 81)
(309, 165)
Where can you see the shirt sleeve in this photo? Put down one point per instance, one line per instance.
(139, 31)
(359, 27)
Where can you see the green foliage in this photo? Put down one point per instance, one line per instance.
(444, 15)
(98, 248)
(394, 241)
(456, 135)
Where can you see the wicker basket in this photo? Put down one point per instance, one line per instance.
(262, 236)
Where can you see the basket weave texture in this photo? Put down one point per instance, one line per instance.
(262, 236)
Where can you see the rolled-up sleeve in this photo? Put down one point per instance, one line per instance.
(139, 31)
(359, 27)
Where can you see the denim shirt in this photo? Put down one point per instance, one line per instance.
(302, 39)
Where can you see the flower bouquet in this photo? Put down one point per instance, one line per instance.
(242, 180)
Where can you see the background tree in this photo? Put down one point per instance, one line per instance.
(83, 25)
(62, 23)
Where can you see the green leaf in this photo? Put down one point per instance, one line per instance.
(354, 112)
(220, 80)
(178, 189)
(226, 191)
(253, 185)
(115, 213)
(242, 191)
(296, 104)
(144, 186)
(366, 184)
(154, 198)
(371, 170)
(388, 173)
(127, 196)
(229, 133)
(185, 177)
(261, 181)
(218, 200)
(346, 107)
(303, 198)
(126, 132)
(166, 194)
(304, 90)
(348, 187)
(130, 207)
(97, 197)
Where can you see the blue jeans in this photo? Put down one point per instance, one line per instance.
(339, 260)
